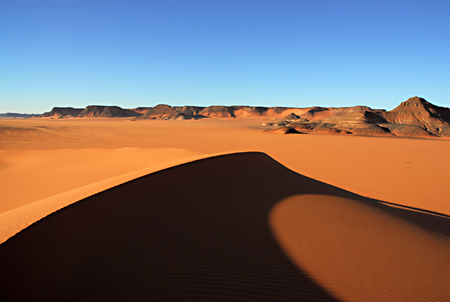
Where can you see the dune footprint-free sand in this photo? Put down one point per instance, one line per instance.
(238, 227)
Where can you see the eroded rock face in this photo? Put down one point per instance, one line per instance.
(406, 130)
(107, 111)
(417, 111)
(217, 111)
(414, 118)
(63, 111)
(189, 110)
(162, 111)
(248, 111)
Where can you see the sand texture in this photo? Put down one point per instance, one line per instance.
(238, 227)
(51, 156)
(154, 210)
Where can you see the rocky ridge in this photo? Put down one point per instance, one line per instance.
(413, 118)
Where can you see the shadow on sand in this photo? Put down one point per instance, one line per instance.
(194, 232)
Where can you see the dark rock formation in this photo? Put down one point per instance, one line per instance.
(292, 116)
(189, 110)
(63, 111)
(406, 130)
(107, 111)
(417, 111)
(19, 115)
(283, 130)
(162, 111)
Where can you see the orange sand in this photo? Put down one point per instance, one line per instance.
(341, 245)
(411, 172)
(31, 175)
(361, 252)
(226, 229)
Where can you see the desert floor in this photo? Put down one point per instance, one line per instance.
(358, 221)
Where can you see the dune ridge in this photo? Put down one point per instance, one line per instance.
(51, 172)
(17, 219)
(213, 238)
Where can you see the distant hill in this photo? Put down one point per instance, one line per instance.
(418, 112)
(17, 115)
(63, 111)
(91, 111)
(107, 111)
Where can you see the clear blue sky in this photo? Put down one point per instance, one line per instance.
(222, 52)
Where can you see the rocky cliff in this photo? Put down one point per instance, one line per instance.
(107, 111)
(63, 111)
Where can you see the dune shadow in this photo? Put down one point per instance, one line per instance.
(194, 232)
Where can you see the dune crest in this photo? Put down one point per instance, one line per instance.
(360, 252)
(15, 220)
(200, 231)
(47, 173)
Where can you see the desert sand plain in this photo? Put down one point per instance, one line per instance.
(347, 218)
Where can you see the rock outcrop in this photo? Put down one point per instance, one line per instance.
(413, 118)
(189, 110)
(162, 111)
(248, 111)
(418, 112)
(63, 111)
(107, 111)
(218, 111)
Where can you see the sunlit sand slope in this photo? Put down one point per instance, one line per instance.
(46, 173)
(362, 251)
(208, 231)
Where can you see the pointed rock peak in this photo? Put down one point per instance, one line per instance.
(415, 101)
(163, 106)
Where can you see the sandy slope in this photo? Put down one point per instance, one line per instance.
(32, 175)
(365, 252)
(227, 229)
(19, 218)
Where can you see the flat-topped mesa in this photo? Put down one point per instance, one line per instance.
(63, 111)
(417, 111)
(249, 111)
(218, 111)
(336, 111)
(107, 111)
(162, 111)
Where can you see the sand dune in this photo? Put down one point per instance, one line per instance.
(362, 251)
(32, 175)
(412, 172)
(19, 218)
(237, 227)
